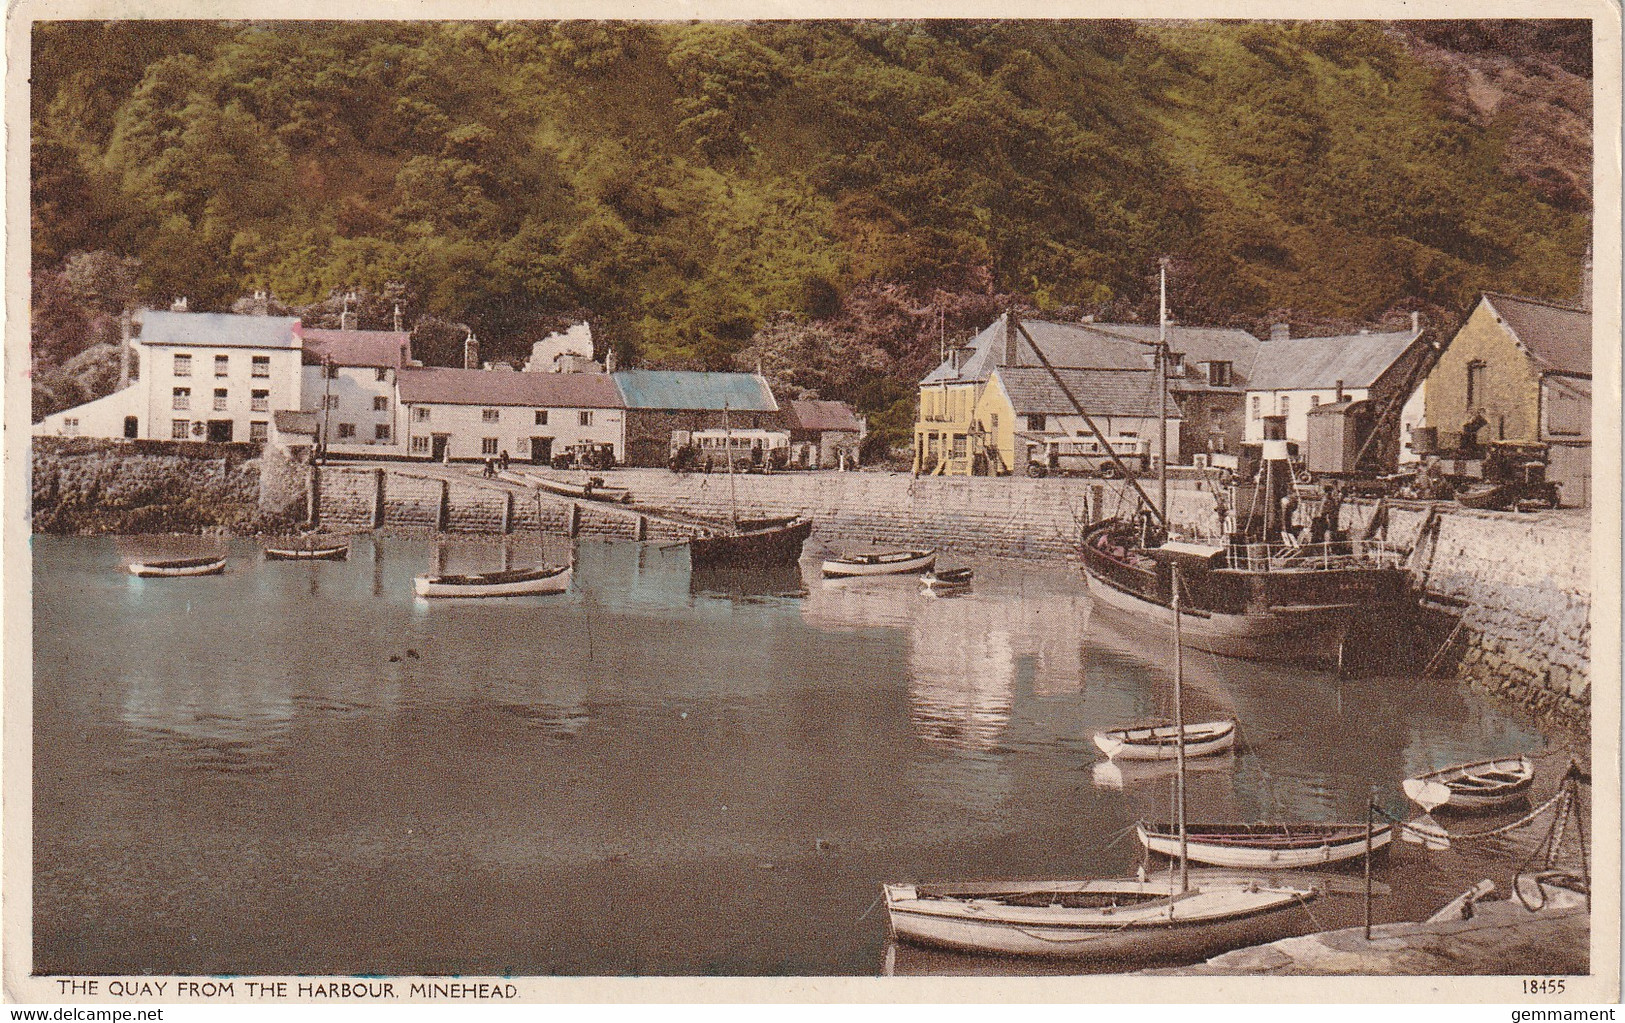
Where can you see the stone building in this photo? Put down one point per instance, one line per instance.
(824, 434)
(1519, 370)
(473, 414)
(661, 402)
(349, 381)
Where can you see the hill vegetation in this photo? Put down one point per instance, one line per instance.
(832, 198)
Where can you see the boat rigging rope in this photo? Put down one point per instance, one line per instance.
(1551, 846)
(1307, 911)
(1454, 836)
(872, 906)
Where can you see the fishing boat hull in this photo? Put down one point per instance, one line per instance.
(1266, 846)
(1108, 920)
(898, 563)
(1161, 742)
(178, 567)
(338, 552)
(772, 542)
(1298, 615)
(519, 583)
(1482, 787)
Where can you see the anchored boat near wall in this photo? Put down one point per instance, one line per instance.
(324, 552)
(1481, 787)
(762, 542)
(1161, 742)
(879, 563)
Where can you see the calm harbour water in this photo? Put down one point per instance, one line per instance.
(301, 768)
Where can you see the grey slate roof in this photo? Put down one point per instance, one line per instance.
(384, 349)
(1102, 346)
(819, 414)
(692, 391)
(219, 330)
(1109, 392)
(494, 387)
(1318, 363)
(1559, 337)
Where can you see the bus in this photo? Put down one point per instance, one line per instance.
(751, 449)
(1084, 456)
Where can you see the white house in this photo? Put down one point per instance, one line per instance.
(477, 414)
(349, 381)
(203, 376)
(1291, 376)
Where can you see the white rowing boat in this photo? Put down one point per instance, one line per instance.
(1161, 742)
(1097, 919)
(879, 563)
(513, 583)
(327, 552)
(1265, 846)
(210, 565)
(1473, 788)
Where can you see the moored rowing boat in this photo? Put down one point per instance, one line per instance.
(879, 563)
(1161, 742)
(513, 583)
(1479, 787)
(326, 552)
(1265, 846)
(209, 565)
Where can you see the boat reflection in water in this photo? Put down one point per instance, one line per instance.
(745, 581)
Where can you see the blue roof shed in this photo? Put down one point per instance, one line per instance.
(694, 391)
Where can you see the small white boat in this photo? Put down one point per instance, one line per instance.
(210, 565)
(1265, 846)
(513, 583)
(879, 563)
(1118, 919)
(1473, 788)
(1161, 742)
(326, 552)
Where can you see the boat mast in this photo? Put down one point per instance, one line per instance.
(1179, 742)
(728, 445)
(1162, 388)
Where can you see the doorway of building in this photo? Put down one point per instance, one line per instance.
(132, 427)
(219, 431)
(440, 440)
(541, 450)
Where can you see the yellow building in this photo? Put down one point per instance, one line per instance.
(992, 403)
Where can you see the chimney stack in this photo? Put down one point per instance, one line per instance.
(609, 360)
(179, 305)
(124, 350)
(1012, 350)
(1340, 390)
(1416, 322)
(471, 352)
(1280, 331)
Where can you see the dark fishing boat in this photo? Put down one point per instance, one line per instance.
(1259, 593)
(775, 541)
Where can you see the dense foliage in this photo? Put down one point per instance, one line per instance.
(827, 194)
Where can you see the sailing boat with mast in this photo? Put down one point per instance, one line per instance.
(1119, 920)
(1255, 592)
(748, 542)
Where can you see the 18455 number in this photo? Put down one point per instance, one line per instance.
(1543, 985)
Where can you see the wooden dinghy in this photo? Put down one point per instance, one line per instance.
(1117, 919)
(323, 552)
(947, 578)
(209, 565)
(1265, 846)
(1161, 742)
(879, 563)
(1480, 787)
(513, 583)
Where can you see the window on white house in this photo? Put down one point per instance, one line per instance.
(380, 432)
(346, 431)
(541, 417)
(584, 418)
(420, 414)
(258, 431)
(490, 415)
(220, 399)
(1218, 374)
(183, 365)
(383, 374)
(1035, 422)
(259, 401)
(70, 427)
(380, 403)
(332, 371)
(262, 366)
(1258, 406)
(1477, 375)
(222, 365)
(1314, 401)
(181, 398)
(420, 445)
(488, 445)
(332, 401)
(1286, 405)
(180, 429)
